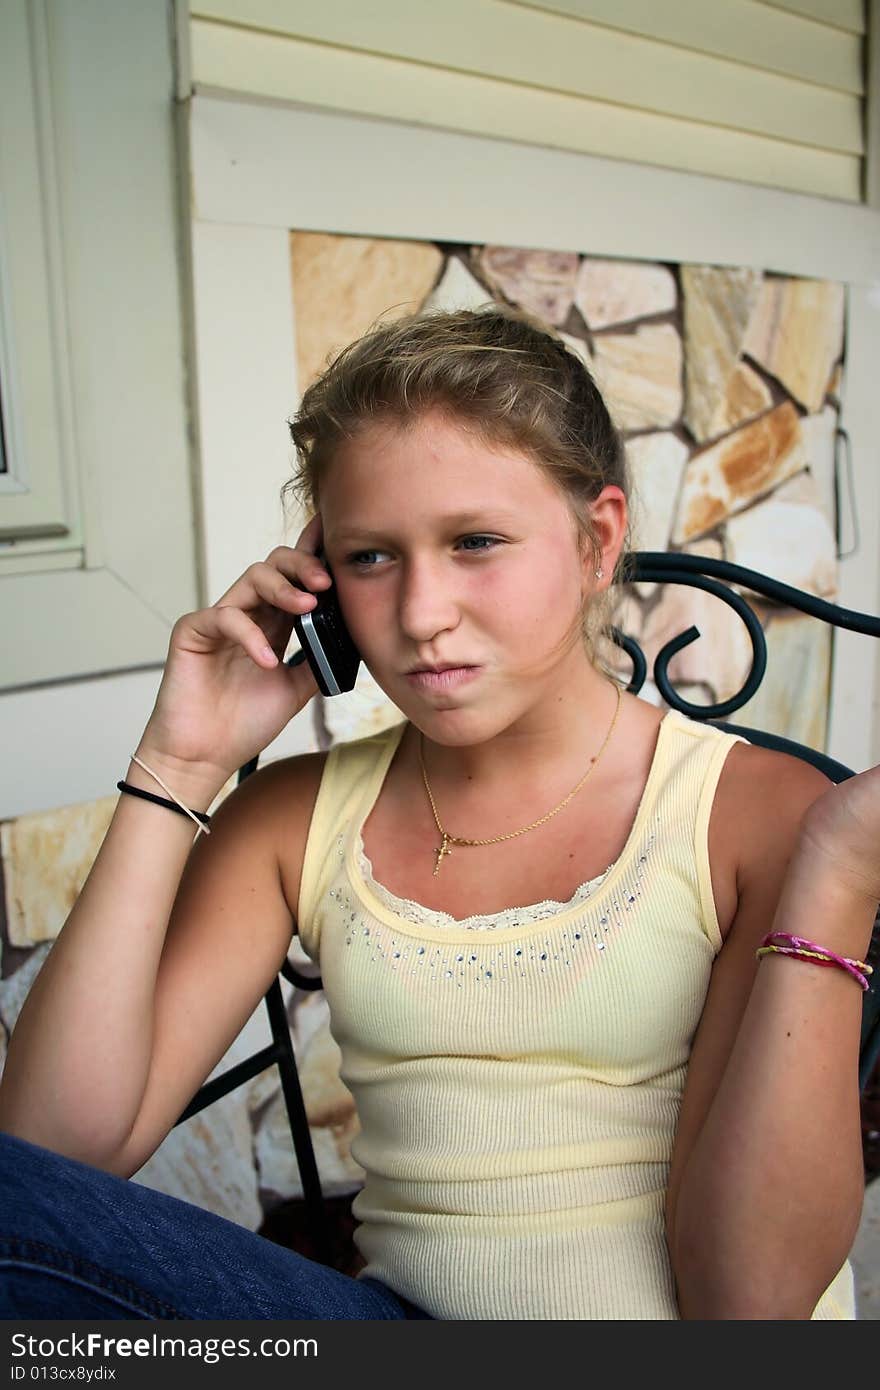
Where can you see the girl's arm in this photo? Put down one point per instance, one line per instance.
(767, 1178)
(169, 947)
(167, 952)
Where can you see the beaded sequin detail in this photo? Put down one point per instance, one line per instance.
(494, 961)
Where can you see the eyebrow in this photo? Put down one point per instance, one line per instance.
(458, 521)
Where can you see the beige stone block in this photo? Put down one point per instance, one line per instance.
(209, 1161)
(718, 303)
(718, 661)
(330, 1109)
(580, 349)
(629, 616)
(299, 960)
(46, 860)
(611, 292)
(327, 1100)
(457, 289)
(541, 282)
(796, 334)
(310, 1016)
(726, 477)
(342, 285)
(792, 699)
(264, 1087)
(787, 537)
(639, 375)
(819, 433)
(710, 547)
(279, 1176)
(16, 987)
(747, 395)
(699, 695)
(650, 694)
(800, 487)
(307, 1013)
(656, 465)
(359, 712)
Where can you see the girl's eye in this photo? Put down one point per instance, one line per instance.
(478, 543)
(364, 558)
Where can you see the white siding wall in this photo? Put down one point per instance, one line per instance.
(767, 93)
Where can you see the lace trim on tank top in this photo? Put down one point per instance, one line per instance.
(421, 916)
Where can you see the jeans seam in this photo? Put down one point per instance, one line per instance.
(26, 1252)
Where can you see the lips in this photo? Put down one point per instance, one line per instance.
(441, 666)
(442, 677)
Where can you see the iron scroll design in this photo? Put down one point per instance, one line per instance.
(715, 577)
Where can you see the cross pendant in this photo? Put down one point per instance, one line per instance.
(444, 849)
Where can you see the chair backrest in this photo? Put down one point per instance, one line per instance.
(717, 577)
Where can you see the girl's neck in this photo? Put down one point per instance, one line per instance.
(552, 740)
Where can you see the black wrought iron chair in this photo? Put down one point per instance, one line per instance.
(715, 577)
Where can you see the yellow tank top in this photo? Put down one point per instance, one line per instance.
(518, 1085)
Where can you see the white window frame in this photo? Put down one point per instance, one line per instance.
(35, 493)
(98, 551)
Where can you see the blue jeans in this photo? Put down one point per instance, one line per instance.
(76, 1242)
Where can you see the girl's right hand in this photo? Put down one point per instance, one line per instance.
(226, 692)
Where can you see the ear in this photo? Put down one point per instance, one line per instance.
(609, 517)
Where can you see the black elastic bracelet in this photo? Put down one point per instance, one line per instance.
(163, 801)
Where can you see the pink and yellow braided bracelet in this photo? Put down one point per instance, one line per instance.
(781, 943)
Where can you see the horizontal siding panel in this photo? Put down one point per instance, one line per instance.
(494, 38)
(745, 31)
(843, 14)
(245, 62)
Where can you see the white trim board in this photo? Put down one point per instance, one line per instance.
(246, 374)
(280, 166)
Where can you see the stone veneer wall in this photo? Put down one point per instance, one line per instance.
(726, 383)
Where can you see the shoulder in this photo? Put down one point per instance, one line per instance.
(290, 790)
(761, 799)
(282, 789)
(271, 811)
(763, 791)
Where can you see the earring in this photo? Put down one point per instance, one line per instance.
(600, 573)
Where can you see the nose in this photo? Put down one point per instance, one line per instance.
(428, 604)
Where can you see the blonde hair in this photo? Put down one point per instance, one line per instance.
(500, 372)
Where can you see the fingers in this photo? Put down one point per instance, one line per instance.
(289, 574)
(225, 623)
(286, 579)
(299, 567)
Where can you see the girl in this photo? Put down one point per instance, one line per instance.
(535, 903)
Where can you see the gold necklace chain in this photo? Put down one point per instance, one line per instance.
(447, 839)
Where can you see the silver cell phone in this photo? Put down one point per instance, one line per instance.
(327, 643)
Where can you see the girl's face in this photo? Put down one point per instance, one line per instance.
(459, 573)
